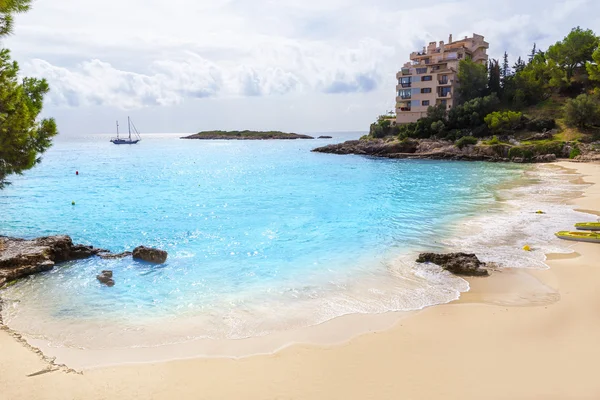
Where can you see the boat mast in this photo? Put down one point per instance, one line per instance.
(129, 126)
(117, 129)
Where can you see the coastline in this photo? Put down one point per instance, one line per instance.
(521, 352)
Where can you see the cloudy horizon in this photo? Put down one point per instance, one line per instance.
(302, 66)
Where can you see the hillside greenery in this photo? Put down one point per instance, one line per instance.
(556, 90)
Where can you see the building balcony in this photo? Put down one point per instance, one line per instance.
(404, 109)
(444, 81)
(406, 85)
(444, 94)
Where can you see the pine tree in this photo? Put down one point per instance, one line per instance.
(22, 136)
(505, 72)
(494, 76)
(519, 65)
(533, 53)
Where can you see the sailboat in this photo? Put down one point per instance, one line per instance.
(129, 140)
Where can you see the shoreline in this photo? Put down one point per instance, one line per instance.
(400, 360)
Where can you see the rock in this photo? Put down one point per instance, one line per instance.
(106, 278)
(325, 137)
(545, 158)
(541, 136)
(20, 258)
(110, 256)
(149, 254)
(457, 263)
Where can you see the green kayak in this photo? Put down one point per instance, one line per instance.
(579, 236)
(588, 226)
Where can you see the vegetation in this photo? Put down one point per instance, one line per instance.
(248, 135)
(503, 121)
(554, 92)
(22, 136)
(465, 141)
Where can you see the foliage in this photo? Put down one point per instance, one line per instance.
(382, 128)
(465, 141)
(575, 151)
(472, 113)
(574, 51)
(22, 137)
(494, 80)
(7, 9)
(473, 80)
(524, 152)
(541, 124)
(582, 111)
(493, 141)
(593, 68)
(503, 121)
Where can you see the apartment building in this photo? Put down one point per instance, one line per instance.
(430, 77)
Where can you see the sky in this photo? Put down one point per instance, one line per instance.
(292, 65)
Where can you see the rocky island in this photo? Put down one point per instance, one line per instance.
(246, 135)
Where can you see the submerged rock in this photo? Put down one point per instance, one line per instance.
(457, 263)
(20, 258)
(325, 137)
(106, 278)
(110, 256)
(149, 254)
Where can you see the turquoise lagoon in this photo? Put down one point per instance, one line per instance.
(263, 236)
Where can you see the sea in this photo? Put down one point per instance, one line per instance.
(262, 236)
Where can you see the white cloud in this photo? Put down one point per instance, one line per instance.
(143, 54)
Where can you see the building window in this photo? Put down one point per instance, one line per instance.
(445, 92)
(421, 70)
(404, 93)
(426, 78)
(405, 82)
(426, 90)
(425, 102)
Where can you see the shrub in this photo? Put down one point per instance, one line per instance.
(465, 141)
(582, 111)
(555, 148)
(494, 140)
(541, 124)
(471, 113)
(523, 152)
(574, 152)
(501, 121)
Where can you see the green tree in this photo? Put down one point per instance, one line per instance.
(575, 50)
(22, 136)
(494, 77)
(582, 111)
(472, 80)
(533, 52)
(593, 68)
(519, 65)
(7, 9)
(503, 121)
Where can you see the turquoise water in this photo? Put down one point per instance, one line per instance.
(262, 235)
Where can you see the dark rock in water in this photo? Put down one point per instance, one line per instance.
(149, 254)
(457, 263)
(20, 258)
(325, 137)
(106, 278)
(110, 256)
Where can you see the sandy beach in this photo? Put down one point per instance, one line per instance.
(516, 335)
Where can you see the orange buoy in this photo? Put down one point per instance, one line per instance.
(76, 172)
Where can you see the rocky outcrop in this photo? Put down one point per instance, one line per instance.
(149, 254)
(325, 137)
(245, 135)
(20, 258)
(419, 149)
(105, 277)
(434, 149)
(457, 263)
